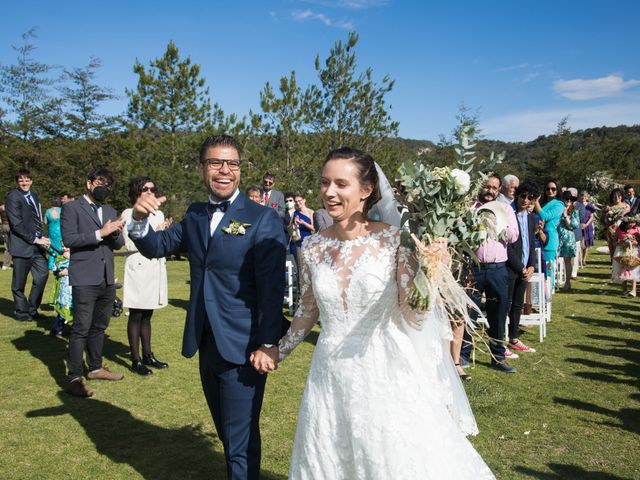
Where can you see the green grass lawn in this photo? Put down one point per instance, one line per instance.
(571, 411)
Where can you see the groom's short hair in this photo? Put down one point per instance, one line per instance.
(219, 141)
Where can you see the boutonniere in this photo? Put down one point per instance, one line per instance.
(236, 228)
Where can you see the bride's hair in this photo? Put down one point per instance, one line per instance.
(367, 173)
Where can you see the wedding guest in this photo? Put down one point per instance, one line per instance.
(611, 216)
(520, 263)
(91, 229)
(271, 197)
(568, 247)
(145, 283)
(508, 188)
(626, 259)
(52, 220)
(66, 197)
(289, 224)
(491, 279)
(632, 199)
(550, 210)
(61, 294)
(253, 194)
(587, 212)
(303, 218)
(27, 246)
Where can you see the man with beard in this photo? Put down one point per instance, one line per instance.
(92, 231)
(491, 278)
(271, 197)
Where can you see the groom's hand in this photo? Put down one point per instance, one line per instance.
(146, 205)
(265, 360)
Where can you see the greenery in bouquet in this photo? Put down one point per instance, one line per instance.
(439, 204)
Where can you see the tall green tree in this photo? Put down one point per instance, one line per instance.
(170, 97)
(347, 107)
(82, 98)
(26, 91)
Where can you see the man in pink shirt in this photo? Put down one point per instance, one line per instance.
(491, 278)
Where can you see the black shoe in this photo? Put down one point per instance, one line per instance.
(153, 361)
(138, 367)
(503, 366)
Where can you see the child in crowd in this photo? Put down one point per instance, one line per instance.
(61, 293)
(626, 258)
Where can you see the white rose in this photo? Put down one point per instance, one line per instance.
(241, 230)
(461, 181)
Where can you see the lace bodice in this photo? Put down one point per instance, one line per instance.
(353, 286)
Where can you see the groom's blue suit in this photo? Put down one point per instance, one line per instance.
(235, 306)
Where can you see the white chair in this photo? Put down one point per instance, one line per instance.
(288, 297)
(538, 300)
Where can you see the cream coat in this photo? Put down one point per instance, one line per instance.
(145, 280)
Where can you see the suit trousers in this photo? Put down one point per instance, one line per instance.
(92, 307)
(37, 265)
(234, 394)
(491, 279)
(517, 289)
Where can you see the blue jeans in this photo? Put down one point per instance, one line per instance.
(492, 280)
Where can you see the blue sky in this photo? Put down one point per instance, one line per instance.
(524, 64)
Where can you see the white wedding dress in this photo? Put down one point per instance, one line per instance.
(377, 403)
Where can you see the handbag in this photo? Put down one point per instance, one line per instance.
(294, 230)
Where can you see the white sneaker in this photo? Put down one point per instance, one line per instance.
(509, 354)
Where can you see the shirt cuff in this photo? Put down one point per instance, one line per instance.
(98, 236)
(138, 228)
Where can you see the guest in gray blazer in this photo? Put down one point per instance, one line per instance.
(271, 197)
(92, 230)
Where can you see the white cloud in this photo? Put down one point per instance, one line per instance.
(304, 15)
(349, 4)
(580, 89)
(525, 126)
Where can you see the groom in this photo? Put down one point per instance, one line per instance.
(237, 290)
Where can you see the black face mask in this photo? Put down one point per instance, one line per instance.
(100, 193)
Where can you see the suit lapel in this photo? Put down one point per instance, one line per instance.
(89, 211)
(234, 209)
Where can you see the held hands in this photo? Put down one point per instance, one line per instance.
(112, 226)
(146, 205)
(264, 360)
(527, 272)
(439, 247)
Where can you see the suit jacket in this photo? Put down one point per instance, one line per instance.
(91, 260)
(22, 227)
(237, 281)
(635, 208)
(322, 219)
(514, 250)
(276, 201)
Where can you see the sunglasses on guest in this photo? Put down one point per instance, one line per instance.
(527, 196)
(551, 189)
(146, 189)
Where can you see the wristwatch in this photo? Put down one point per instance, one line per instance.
(268, 345)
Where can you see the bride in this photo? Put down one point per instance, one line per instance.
(381, 400)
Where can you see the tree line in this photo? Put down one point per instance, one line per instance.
(51, 122)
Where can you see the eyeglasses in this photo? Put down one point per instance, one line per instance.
(527, 196)
(551, 189)
(216, 163)
(146, 189)
(267, 182)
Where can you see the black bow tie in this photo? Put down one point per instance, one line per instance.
(218, 207)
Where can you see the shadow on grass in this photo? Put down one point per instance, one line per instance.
(599, 322)
(565, 472)
(52, 352)
(630, 307)
(155, 452)
(179, 303)
(629, 417)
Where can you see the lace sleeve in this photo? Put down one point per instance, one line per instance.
(306, 315)
(407, 267)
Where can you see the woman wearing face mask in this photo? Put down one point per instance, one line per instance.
(145, 284)
(568, 247)
(290, 209)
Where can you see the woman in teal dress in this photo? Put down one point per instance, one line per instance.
(550, 210)
(568, 246)
(52, 219)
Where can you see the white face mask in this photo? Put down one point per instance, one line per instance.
(289, 203)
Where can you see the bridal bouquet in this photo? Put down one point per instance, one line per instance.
(439, 203)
